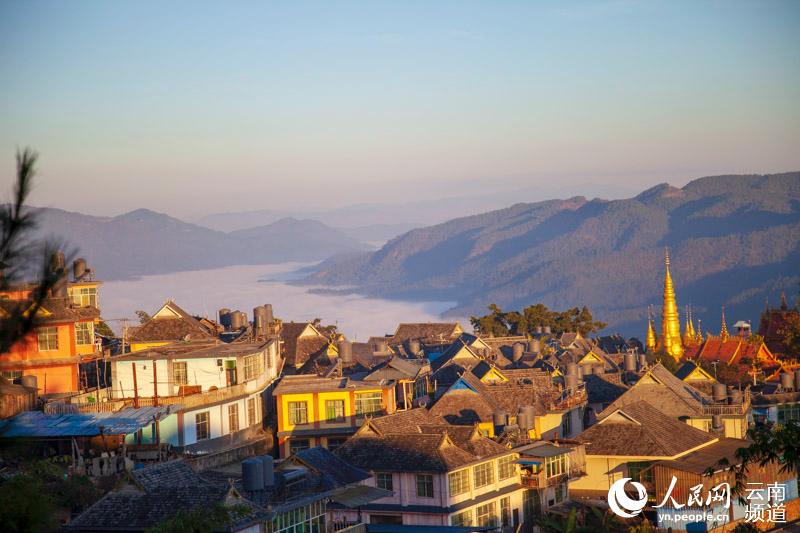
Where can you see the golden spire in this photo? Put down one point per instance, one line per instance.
(723, 334)
(688, 336)
(670, 321)
(651, 332)
(699, 333)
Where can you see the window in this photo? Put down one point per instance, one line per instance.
(531, 504)
(252, 367)
(420, 389)
(425, 485)
(298, 445)
(84, 333)
(485, 515)
(484, 474)
(462, 519)
(556, 466)
(84, 296)
(251, 411)
(334, 443)
(179, 374)
(561, 492)
(368, 404)
(334, 410)
(383, 480)
(506, 467)
(11, 375)
(48, 339)
(233, 417)
(566, 424)
(636, 471)
(458, 481)
(505, 511)
(201, 425)
(298, 413)
(788, 412)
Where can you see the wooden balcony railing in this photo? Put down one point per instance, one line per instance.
(729, 409)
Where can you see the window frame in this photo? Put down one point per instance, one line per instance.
(252, 412)
(294, 410)
(425, 482)
(486, 514)
(458, 482)
(338, 407)
(48, 334)
(253, 366)
(84, 329)
(381, 478)
(458, 518)
(180, 377)
(233, 416)
(506, 467)
(205, 423)
(483, 474)
(368, 398)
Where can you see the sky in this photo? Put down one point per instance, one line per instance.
(194, 107)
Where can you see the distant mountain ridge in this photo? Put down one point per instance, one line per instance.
(733, 240)
(144, 242)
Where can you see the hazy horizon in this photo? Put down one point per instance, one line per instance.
(195, 108)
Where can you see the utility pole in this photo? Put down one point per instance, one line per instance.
(714, 364)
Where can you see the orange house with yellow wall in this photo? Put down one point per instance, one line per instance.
(63, 338)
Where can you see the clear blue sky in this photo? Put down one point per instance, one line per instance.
(189, 106)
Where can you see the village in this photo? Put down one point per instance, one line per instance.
(291, 426)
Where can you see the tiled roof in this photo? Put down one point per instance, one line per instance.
(313, 383)
(667, 393)
(406, 421)
(699, 461)
(426, 331)
(604, 388)
(326, 463)
(170, 329)
(53, 310)
(296, 349)
(638, 429)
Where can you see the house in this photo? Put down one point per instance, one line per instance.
(426, 332)
(738, 352)
(290, 495)
(665, 392)
(220, 392)
(693, 374)
(301, 341)
(324, 411)
(547, 469)
(411, 379)
(630, 439)
(63, 338)
(169, 324)
(438, 475)
(690, 471)
(493, 405)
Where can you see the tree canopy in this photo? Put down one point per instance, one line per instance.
(499, 323)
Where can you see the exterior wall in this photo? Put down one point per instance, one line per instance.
(550, 425)
(734, 426)
(602, 471)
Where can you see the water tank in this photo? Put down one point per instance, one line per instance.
(534, 346)
(716, 421)
(735, 396)
(414, 347)
(237, 320)
(571, 381)
(57, 261)
(530, 412)
(630, 362)
(547, 330)
(787, 381)
(259, 320)
(268, 466)
(29, 381)
(346, 351)
(642, 361)
(797, 379)
(517, 350)
(572, 369)
(78, 268)
(224, 315)
(253, 474)
(500, 419)
(268, 313)
(720, 392)
(523, 421)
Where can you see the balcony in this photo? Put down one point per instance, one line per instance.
(569, 398)
(729, 409)
(541, 481)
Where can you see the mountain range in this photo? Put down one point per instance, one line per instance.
(144, 242)
(733, 241)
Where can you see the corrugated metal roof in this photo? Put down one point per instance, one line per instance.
(545, 450)
(32, 424)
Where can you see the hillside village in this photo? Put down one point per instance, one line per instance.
(292, 426)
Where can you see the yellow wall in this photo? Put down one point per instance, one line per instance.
(139, 346)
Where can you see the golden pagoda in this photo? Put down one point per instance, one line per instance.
(699, 337)
(688, 336)
(651, 332)
(671, 341)
(723, 334)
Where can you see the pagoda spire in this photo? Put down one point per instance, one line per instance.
(723, 333)
(688, 336)
(699, 332)
(670, 321)
(651, 332)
